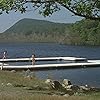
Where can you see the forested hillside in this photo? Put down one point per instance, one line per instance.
(31, 26)
(84, 32)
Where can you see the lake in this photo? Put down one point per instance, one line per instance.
(90, 76)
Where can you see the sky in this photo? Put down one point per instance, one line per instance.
(62, 16)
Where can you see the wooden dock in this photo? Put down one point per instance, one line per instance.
(82, 62)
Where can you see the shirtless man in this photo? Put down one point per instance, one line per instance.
(33, 59)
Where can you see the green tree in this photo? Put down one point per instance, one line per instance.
(85, 8)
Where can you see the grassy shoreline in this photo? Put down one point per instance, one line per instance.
(18, 86)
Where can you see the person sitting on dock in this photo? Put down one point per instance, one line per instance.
(33, 59)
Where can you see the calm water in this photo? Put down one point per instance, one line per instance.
(84, 76)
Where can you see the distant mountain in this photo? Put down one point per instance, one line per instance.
(32, 30)
(29, 26)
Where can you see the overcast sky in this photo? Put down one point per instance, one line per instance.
(63, 16)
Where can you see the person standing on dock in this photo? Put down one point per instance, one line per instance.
(4, 54)
(4, 57)
(33, 59)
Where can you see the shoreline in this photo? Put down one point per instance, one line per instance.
(24, 85)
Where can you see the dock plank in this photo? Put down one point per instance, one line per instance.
(43, 59)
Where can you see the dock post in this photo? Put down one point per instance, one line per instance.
(2, 66)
